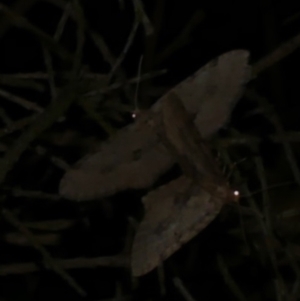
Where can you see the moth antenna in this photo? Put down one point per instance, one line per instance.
(136, 109)
(269, 188)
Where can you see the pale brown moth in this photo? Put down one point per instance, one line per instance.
(173, 130)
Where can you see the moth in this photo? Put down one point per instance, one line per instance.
(135, 157)
(174, 129)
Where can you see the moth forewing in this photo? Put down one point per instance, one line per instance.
(232, 72)
(175, 213)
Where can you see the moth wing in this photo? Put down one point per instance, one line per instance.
(215, 90)
(175, 213)
(133, 158)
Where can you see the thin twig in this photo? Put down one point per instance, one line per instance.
(74, 263)
(102, 47)
(229, 280)
(33, 194)
(48, 261)
(13, 81)
(45, 239)
(50, 225)
(121, 57)
(21, 101)
(19, 6)
(118, 85)
(41, 123)
(80, 35)
(5, 118)
(62, 22)
(18, 125)
(20, 21)
(50, 71)
(182, 38)
(45, 76)
(137, 85)
(182, 289)
(294, 293)
(268, 225)
(276, 56)
(97, 117)
(161, 279)
(58, 162)
(274, 119)
(141, 14)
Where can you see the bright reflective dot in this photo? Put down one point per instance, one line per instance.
(133, 115)
(236, 193)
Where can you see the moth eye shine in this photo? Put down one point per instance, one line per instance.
(135, 114)
(235, 195)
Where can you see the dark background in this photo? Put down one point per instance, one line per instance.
(241, 255)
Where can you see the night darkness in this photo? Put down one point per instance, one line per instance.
(55, 57)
